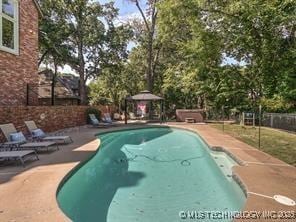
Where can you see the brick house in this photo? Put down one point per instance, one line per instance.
(18, 49)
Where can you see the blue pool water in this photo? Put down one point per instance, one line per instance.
(149, 175)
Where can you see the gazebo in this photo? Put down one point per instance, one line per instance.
(145, 96)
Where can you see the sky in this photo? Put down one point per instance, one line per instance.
(128, 10)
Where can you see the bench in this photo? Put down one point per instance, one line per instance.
(189, 120)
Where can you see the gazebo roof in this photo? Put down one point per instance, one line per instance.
(144, 96)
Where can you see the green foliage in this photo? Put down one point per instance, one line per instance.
(116, 82)
(180, 50)
(262, 33)
(53, 37)
(276, 104)
(197, 34)
(112, 85)
(85, 30)
(94, 111)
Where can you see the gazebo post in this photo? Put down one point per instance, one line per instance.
(125, 111)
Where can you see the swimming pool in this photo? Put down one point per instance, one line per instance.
(149, 174)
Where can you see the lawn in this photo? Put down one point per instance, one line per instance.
(279, 144)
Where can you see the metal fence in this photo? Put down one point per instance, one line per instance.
(32, 95)
(41, 95)
(285, 121)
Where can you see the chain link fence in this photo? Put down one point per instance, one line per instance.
(284, 121)
(273, 133)
(32, 95)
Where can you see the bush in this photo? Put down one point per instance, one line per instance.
(94, 111)
(277, 104)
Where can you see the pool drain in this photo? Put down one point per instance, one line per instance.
(284, 200)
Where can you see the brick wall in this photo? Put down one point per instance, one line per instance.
(18, 70)
(48, 118)
(58, 102)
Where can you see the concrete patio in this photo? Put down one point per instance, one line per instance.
(29, 194)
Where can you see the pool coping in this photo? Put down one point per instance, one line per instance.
(235, 175)
(240, 178)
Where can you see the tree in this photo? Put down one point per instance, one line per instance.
(148, 38)
(53, 46)
(110, 86)
(191, 51)
(86, 35)
(198, 33)
(117, 81)
(262, 33)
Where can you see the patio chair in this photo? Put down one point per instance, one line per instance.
(122, 116)
(38, 134)
(116, 116)
(16, 140)
(19, 155)
(107, 118)
(96, 123)
(132, 116)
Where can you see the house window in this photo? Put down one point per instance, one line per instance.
(9, 27)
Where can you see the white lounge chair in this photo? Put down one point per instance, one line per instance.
(132, 116)
(9, 129)
(33, 129)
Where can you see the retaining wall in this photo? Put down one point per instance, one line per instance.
(196, 114)
(48, 118)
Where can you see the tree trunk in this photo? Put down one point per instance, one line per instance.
(149, 74)
(42, 58)
(82, 86)
(150, 31)
(53, 82)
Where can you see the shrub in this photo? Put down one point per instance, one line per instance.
(276, 104)
(94, 111)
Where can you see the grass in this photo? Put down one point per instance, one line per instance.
(279, 144)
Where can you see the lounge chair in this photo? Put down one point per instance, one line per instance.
(96, 123)
(19, 155)
(122, 116)
(38, 134)
(107, 118)
(20, 142)
(132, 116)
(116, 116)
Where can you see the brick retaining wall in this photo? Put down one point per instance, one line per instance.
(48, 118)
(196, 114)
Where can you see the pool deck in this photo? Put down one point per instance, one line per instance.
(29, 194)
